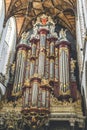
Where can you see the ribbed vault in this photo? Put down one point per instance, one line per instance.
(26, 12)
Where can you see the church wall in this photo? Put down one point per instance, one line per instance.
(7, 50)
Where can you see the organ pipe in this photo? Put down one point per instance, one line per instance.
(64, 70)
(19, 72)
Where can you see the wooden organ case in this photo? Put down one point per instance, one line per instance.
(44, 85)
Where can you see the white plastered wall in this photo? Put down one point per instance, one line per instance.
(7, 45)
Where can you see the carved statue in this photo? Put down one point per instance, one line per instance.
(35, 33)
(38, 22)
(25, 37)
(50, 20)
(72, 63)
(52, 30)
(62, 34)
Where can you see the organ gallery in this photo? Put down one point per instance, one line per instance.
(43, 85)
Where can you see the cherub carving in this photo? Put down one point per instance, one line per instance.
(24, 38)
(35, 33)
(62, 34)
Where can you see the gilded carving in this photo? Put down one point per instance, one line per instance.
(73, 64)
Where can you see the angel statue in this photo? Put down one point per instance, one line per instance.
(35, 32)
(62, 34)
(24, 38)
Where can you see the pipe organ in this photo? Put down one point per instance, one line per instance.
(42, 65)
(20, 69)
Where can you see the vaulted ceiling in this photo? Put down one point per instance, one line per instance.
(26, 12)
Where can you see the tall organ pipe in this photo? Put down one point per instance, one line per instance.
(64, 69)
(42, 53)
(20, 67)
(52, 57)
(56, 64)
(27, 71)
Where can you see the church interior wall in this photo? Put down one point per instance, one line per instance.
(7, 46)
